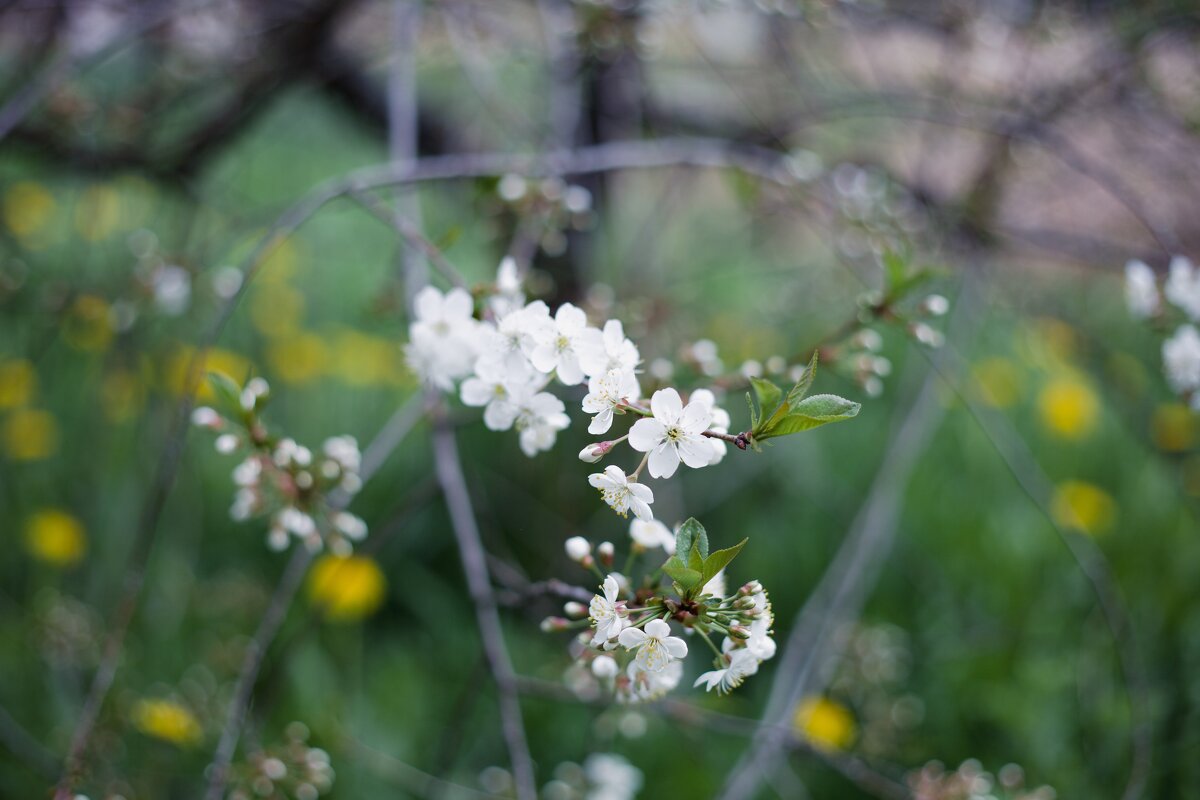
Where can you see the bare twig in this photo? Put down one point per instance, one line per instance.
(474, 562)
(256, 650)
(403, 227)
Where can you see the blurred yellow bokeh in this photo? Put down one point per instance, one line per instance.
(18, 382)
(997, 382)
(167, 720)
(364, 360)
(825, 723)
(55, 537)
(300, 358)
(346, 588)
(277, 309)
(230, 364)
(27, 208)
(1173, 427)
(98, 213)
(1068, 406)
(121, 395)
(1083, 507)
(88, 324)
(30, 434)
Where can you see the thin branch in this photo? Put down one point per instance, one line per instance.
(256, 650)
(404, 228)
(474, 562)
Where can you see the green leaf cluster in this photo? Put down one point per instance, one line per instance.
(693, 565)
(773, 414)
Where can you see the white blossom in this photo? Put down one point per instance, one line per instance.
(741, 664)
(508, 296)
(538, 420)
(605, 394)
(608, 351)
(622, 494)
(1141, 290)
(1181, 359)
(1183, 286)
(443, 337)
(493, 387)
(719, 424)
(611, 777)
(650, 533)
(654, 645)
(558, 345)
(646, 686)
(673, 434)
(607, 613)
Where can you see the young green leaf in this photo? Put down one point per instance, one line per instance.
(815, 411)
(226, 389)
(805, 383)
(684, 576)
(695, 560)
(719, 560)
(691, 532)
(753, 412)
(767, 394)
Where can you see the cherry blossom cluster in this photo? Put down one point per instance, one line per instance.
(503, 356)
(291, 770)
(628, 642)
(1181, 350)
(282, 479)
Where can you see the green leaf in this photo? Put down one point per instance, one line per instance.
(695, 560)
(686, 577)
(895, 267)
(691, 532)
(225, 388)
(815, 411)
(805, 383)
(767, 394)
(753, 413)
(719, 560)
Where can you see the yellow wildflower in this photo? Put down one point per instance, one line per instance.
(1069, 407)
(167, 720)
(346, 588)
(27, 208)
(30, 434)
(55, 537)
(18, 382)
(825, 723)
(1083, 507)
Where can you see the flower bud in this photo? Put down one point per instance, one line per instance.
(578, 548)
(605, 667)
(605, 552)
(594, 452)
(205, 417)
(226, 443)
(744, 603)
(555, 624)
(739, 632)
(935, 305)
(575, 610)
(753, 587)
